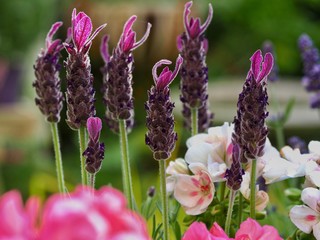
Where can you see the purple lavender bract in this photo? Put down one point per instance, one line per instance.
(193, 47)
(80, 92)
(234, 174)
(94, 153)
(47, 83)
(117, 84)
(250, 130)
(268, 47)
(161, 137)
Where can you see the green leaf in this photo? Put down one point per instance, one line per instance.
(288, 110)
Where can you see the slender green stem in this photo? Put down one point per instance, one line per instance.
(253, 189)
(232, 197)
(240, 210)
(164, 199)
(194, 121)
(82, 143)
(125, 164)
(57, 152)
(91, 180)
(279, 135)
(222, 190)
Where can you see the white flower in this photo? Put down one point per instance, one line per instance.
(213, 150)
(194, 192)
(312, 168)
(307, 218)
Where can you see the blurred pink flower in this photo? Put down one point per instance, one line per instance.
(84, 214)
(249, 230)
(17, 221)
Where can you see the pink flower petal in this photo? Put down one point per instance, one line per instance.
(250, 228)
(94, 34)
(143, 39)
(128, 42)
(194, 28)
(217, 231)
(316, 230)
(311, 197)
(208, 20)
(94, 126)
(266, 67)
(269, 232)
(300, 216)
(197, 230)
(51, 32)
(104, 49)
(256, 61)
(82, 31)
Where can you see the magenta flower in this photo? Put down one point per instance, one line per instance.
(249, 230)
(127, 40)
(193, 26)
(260, 70)
(94, 126)
(84, 214)
(166, 76)
(53, 46)
(81, 26)
(17, 221)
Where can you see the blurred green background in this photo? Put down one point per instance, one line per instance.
(237, 30)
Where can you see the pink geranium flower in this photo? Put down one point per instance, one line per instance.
(249, 230)
(84, 214)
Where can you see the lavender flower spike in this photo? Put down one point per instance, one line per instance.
(95, 151)
(250, 129)
(193, 47)
(161, 137)
(117, 83)
(47, 83)
(234, 174)
(80, 92)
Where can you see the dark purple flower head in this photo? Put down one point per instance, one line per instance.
(166, 76)
(260, 70)
(127, 40)
(47, 83)
(94, 126)
(193, 26)
(234, 174)
(81, 26)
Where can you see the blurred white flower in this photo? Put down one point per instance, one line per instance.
(307, 218)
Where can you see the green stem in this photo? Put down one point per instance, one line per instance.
(279, 135)
(164, 199)
(125, 164)
(222, 190)
(240, 210)
(91, 180)
(230, 209)
(253, 189)
(194, 121)
(57, 152)
(82, 143)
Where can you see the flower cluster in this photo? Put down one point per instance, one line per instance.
(193, 47)
(311, 69)
(84, 214)
(249, 229)
(80, 92)
(47, 82)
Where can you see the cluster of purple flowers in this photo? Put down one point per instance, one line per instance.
(311, 69)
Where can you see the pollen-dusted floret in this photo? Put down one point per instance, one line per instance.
(80, 92)
(161, 137)
(47, 83)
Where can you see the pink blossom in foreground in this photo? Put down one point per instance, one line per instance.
(249, 230)
(17, 221)
(84, 214)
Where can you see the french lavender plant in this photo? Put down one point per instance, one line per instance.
(161, 137)
(47, 85)
(311, 69)
(193, 47)
(80, 92)
(250, 131)
(117, 89)
(94, 153)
